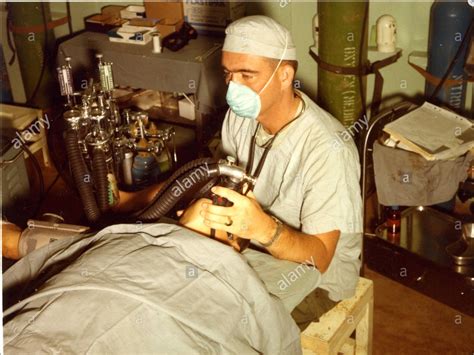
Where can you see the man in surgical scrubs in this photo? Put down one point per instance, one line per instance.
(306, 205)
(305, 211)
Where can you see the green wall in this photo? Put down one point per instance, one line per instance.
(401, 81)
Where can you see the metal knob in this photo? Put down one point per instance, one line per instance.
(231, 160)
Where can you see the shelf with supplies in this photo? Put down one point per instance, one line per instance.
(170, 117)
(195, 69)
(211, 123)
(412, 243)
(420, 249)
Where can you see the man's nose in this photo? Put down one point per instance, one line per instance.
(235, 77)
(229, 77)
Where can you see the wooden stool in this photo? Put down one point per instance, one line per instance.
(331, 335)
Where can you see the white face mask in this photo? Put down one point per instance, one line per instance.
(244, 101)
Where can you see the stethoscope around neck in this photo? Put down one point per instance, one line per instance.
(267, 147)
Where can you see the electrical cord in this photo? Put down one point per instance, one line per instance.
(9, 39)
(453, 62)
(69, 17)
(56, 144)
(40, 176)
(56, 179)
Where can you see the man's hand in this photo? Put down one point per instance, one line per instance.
(245, 218)
(192, 218)
(251, 222)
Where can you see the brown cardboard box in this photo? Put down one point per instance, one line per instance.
(143, 22)
(164, 9)
(170, 14)
(168, 26)
(211, 18)
(112, 11)
(108, 19)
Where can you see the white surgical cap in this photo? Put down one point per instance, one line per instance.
(259, 35)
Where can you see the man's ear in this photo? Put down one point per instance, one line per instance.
(286, 75)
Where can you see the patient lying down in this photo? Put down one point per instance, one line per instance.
(153, 288)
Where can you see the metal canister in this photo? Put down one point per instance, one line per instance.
(73, 118)
(127, 168)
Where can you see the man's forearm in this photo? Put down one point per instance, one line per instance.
(134, 201)
(300, 247)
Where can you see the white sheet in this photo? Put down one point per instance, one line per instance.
(126, 291)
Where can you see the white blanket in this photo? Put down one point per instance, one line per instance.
(142, 289)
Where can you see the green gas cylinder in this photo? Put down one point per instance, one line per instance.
(343, 43)
(34, 48)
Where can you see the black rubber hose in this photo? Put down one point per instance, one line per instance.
(178, 188)
(101, 183)
(81, 177)
(185, 168)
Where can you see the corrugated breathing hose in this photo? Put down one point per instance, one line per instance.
(196, 172)
(81, 177)
(101, 183)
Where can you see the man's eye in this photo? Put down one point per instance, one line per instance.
(247, 76)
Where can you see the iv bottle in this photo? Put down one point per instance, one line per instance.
(393, 220)
(163, 161)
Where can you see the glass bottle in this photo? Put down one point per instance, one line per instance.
(393, 221)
